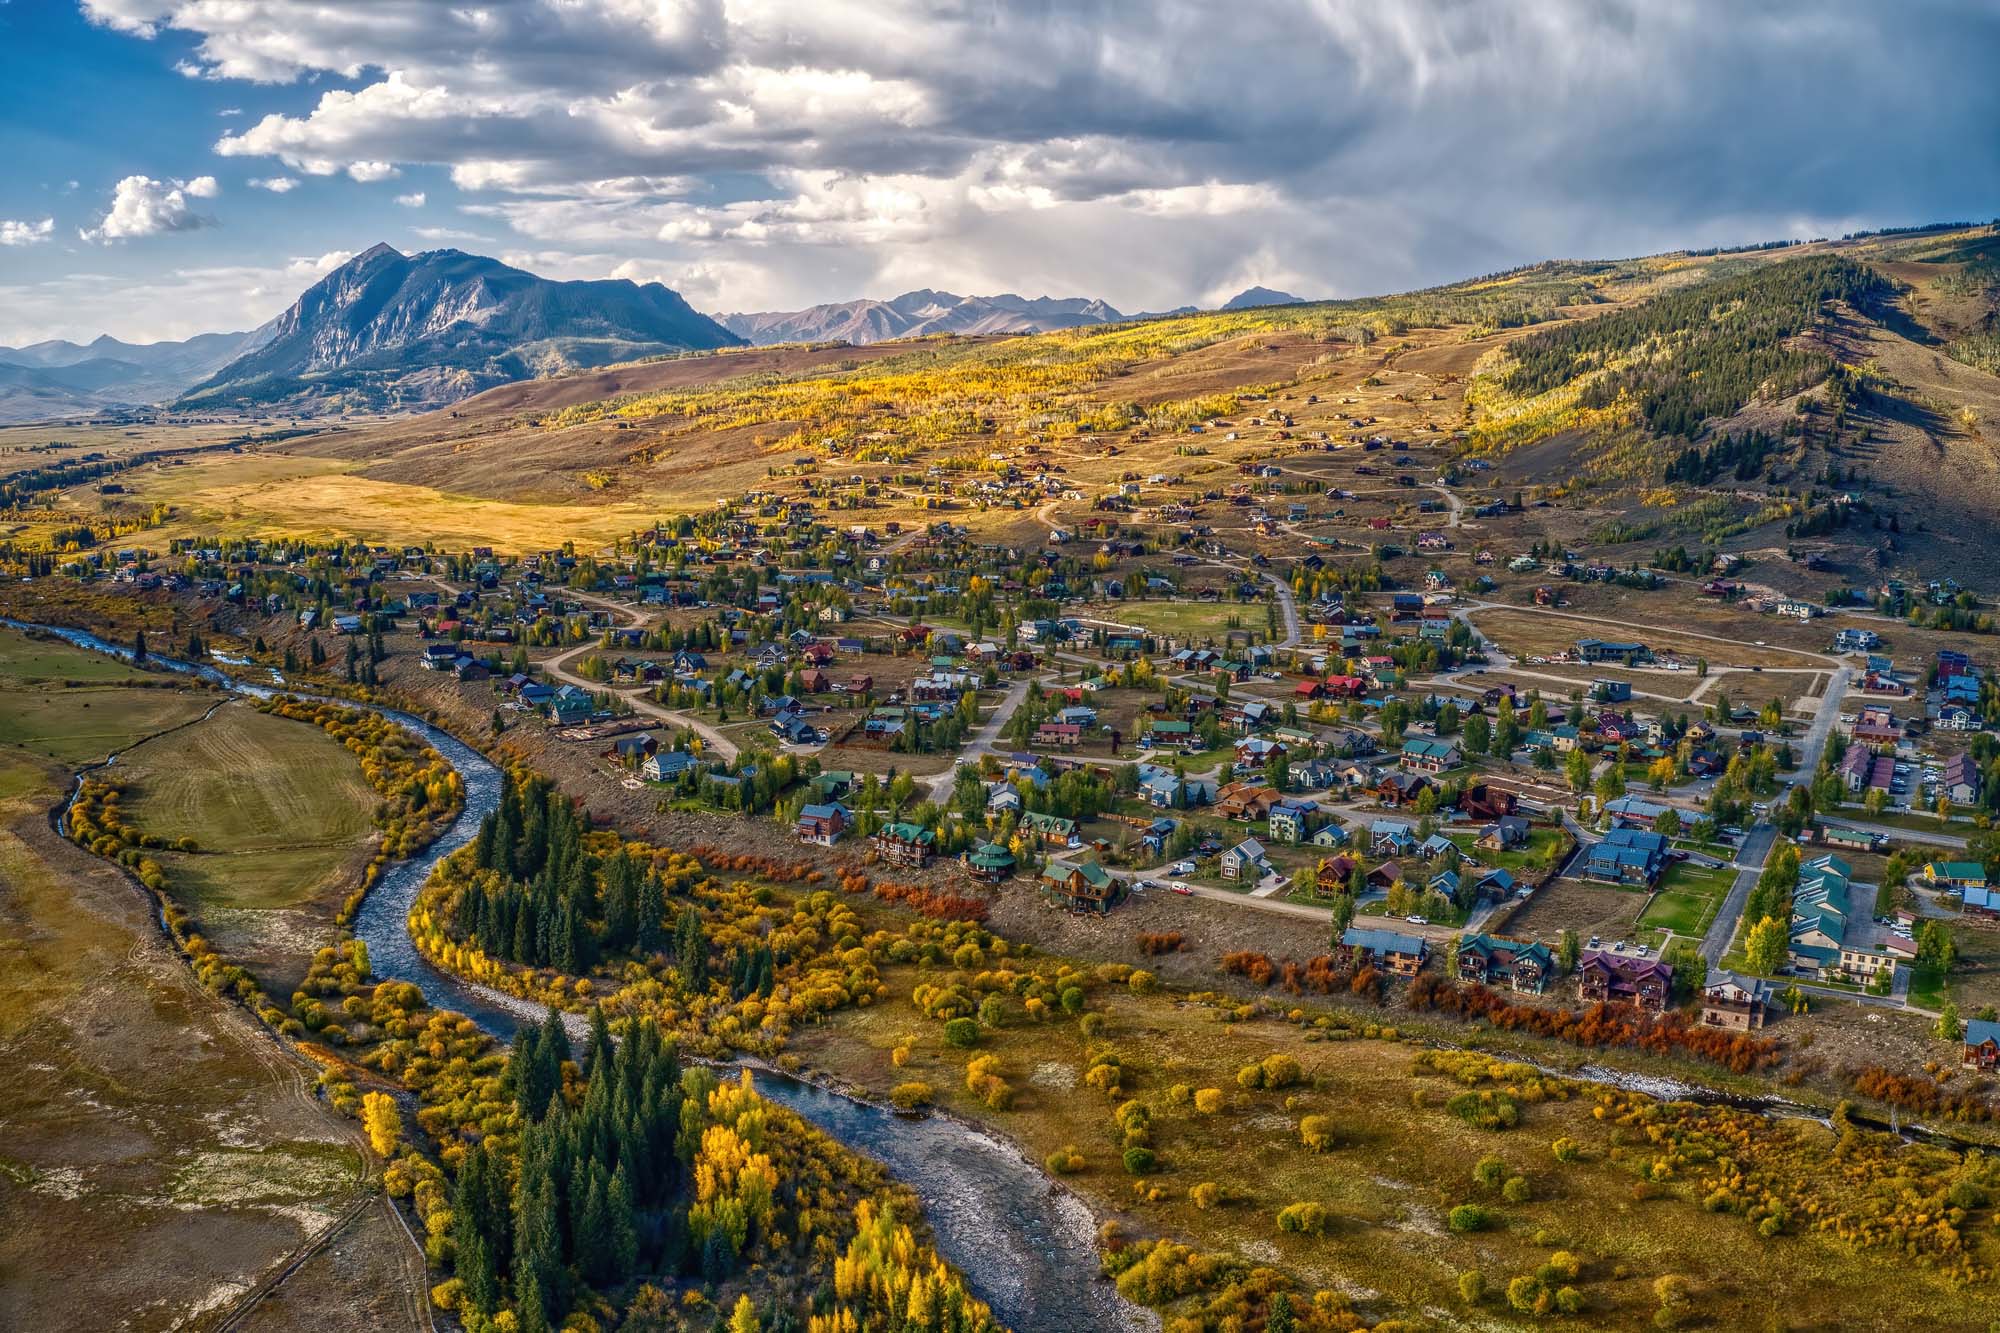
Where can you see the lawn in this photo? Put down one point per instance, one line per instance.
(1688, 898)
(26, 660)
(1187, 620)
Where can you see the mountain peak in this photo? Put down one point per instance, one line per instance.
(1256, 296)
(388, 329)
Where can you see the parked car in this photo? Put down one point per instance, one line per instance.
(1181, 888)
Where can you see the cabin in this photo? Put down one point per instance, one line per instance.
(1982, 1045)
(1053, 830)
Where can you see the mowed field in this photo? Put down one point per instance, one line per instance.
(158, 1153)
(75, 708)
(282, 817)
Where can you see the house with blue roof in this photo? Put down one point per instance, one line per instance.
(1627, 856)
(1390, 950)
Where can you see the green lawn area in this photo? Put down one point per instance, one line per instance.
(29, 660)
(1928, 988)
(1183, 620)
(1916, 823)
(82, 726)
(1688, 899)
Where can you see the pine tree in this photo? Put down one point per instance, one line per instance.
(691, 950)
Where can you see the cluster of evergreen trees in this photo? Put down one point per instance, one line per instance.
(1741, 455)
(1702, 352)
(602, 1189)
(556, 904)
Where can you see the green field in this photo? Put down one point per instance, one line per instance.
(1688, 898)
(283, 819)
(107, 709)
(1184, 620)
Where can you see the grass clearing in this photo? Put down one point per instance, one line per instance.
(1398, 1164)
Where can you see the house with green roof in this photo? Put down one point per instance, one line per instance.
(1083, 885)
(904, 844)
(990, 862)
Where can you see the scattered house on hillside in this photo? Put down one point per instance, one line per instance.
(989, 863)
(1083, 885)
(1603, 650)
(1390, 950)
(822, 825)
(1982, 1044)
(1613, 978)
(668, 765)
(904, 844)
(1494, 960)
(1734, 1000)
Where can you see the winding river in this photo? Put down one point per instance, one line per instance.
(1026, 1248)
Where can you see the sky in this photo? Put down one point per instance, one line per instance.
(173, 167)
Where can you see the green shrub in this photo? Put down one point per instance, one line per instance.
(1302, 1219)
(962, 1032)
(1490, 1172)
(1567, 1149)
(1470, 1217)
(1472, 1286)
(1516, 1190)
(1140, 1161)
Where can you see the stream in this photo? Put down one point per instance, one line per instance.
(1026, 1248)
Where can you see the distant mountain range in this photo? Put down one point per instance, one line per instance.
(914, 314)
(61, 378)
(389, 330)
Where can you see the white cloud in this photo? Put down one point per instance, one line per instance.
(798, 152)
(229, 111)
(26, 233)
(415, 199)
(275, 184)
(143, 206)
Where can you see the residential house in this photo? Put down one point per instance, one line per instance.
(1391, 837)
(821, 825)
(1982, 1044)
(1439, 848)
(1961, 780)
(1053, 830)
(1505, 834)
(1247, 801)
(1494, 960)
(904, 844)
(1291, 821)
(1390, 950)
(668, 766)
(1083, 885)
(1613, 978)
(1422, 754)
(1631, 812)
(1246, 860)
(989, 862)
(1627, 856)
(1733, 1000)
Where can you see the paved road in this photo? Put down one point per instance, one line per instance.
(1750, 859)
(981, 741)
(1757, 844)
(1897, 834)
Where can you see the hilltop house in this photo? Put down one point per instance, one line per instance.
(904, 844)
